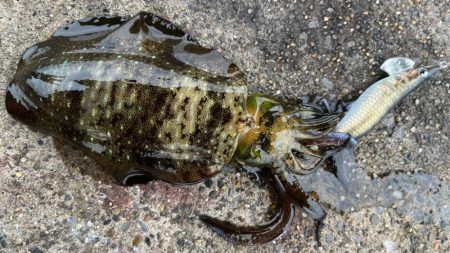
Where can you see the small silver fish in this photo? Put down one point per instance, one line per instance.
(375, 102)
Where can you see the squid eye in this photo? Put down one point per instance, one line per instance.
(423, 72)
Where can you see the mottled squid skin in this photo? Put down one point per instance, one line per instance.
(134, 101)
(143, 98)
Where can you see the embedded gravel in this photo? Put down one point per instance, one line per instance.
(52, 199)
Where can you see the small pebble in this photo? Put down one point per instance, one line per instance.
(313, 24)
(208, 183)
(213, 194)
(125, 226)
(147, 241)
(35, 249)
(436, 245)
(389, 246)
(67, 197)
(397, 194)
(374, 219)
(137, 240)
(116, 211)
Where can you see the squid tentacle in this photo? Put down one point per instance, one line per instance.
(260, 233)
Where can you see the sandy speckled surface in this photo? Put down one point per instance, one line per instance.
(54, 200)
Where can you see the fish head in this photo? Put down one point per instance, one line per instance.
(423, 73)
(407, 74)
(419, 74)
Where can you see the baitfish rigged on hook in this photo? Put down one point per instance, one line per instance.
(374, 103)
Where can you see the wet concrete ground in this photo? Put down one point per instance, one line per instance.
(52, 199)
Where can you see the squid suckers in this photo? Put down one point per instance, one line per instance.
(375, 102)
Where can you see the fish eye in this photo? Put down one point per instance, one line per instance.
(423, 72)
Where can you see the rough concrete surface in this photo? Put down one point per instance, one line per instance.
(54, 200)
